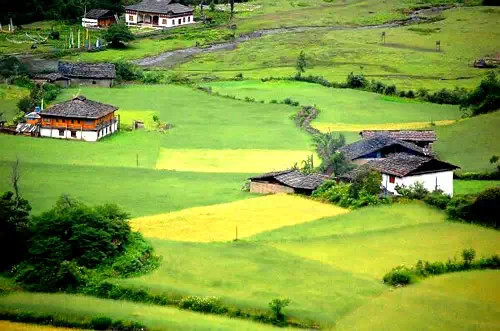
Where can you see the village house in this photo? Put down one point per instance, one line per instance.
(53, 78)
(99, 74)
(288, 181)
(78, 119)
(405, 170)
(158, 13)
(379, 146)
(98, 18)
(422, 138)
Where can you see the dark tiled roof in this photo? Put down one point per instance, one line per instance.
(87, 70)
(98, 13)
(367, 146)
(294, 179)
(79, 107)
(52, 77)
(402, 164)
(160, 7)
(408, 135)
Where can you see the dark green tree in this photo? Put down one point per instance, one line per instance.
(301, 63)
(14, 218)
(327, 146)
(367, 180)
(484, 98)
(117, 35)
(277, 306)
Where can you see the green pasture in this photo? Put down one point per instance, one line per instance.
(459, 301)
(77, 308)
(374, 253)
(470, 143)
(473, 186)
(341, 106)
(408, 58)
(9, 96)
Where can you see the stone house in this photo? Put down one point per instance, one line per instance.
(159, 14)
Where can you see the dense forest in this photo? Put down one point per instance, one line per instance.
(27, 11)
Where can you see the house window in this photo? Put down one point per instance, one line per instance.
(61, 133)
(94, 82)
(189, 18)
(46, 120)
(183, 19)
(73, 134)
(164, 21)
(179, 22)
(78, 121)
(131, 18)
(72, 122)
(392, 179)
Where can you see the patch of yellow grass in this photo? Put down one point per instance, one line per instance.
(127, 117)
(11, 326)
(219, 222)
(325, 127)
(229, 160)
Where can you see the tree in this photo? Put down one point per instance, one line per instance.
(277, 306)
(301, 63)
(117, 35)
(484, 98)
(367, 180)
(14, 218)
(327, 145)
(212, 5)
(231, 2)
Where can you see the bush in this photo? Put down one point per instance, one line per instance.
(152, 77)
(101, 323)
(10, 66)
(390, 90)
(437, 199)
(277, 306)
(399, 276)
(210, 305)
(377, 87)
(484, 98)
(460, 207)
(468, 255)
(126, 71)
(117, 35)
(25, 105)
(356, 81)
(55, 35)
(486, 208)
(416, 191)
(445, 96)
(289, 101)
(366, 180)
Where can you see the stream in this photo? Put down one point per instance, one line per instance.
(172, 58)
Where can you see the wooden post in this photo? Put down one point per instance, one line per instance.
(438, 45)
(137, 159)
(236, 234)
(383, 37)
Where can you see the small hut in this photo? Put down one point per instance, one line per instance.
(287, 181)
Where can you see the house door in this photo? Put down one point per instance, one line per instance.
(155, 20)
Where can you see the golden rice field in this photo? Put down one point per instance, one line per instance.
(11, 326)
(219, 222)
(347, 127)
(229, 160)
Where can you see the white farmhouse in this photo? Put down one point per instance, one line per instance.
(159, 14)
(406, 169)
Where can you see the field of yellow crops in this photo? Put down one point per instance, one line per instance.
(229, 160)
(219, 222)
(11, 326)
(325, 127)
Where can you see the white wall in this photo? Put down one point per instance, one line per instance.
(444, 181)
(89, 22)
(54, 133)
(133, 20)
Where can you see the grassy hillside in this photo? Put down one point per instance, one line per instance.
(5, 325)
(461, 301)
(473, 186)
(408, 58)
(342, 108)
(81, 308)
(9, 96)
(470, 143)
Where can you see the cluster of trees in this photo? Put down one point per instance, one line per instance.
(65, 248)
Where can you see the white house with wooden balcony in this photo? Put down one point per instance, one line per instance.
(158, 14)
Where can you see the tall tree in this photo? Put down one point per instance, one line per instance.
(301, 63)
(231, 2)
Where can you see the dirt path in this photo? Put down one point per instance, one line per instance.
(172, 58)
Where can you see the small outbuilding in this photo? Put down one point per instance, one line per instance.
(379, 147)
(53, 78)
(421, 138)
(98, 18)
(99, 74)
(405, 169)
(287, 181)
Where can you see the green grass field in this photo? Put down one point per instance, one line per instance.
(407, 59)
(470, 143)
(78, 308)
(473, 186)
(9, 96)
(461, 301)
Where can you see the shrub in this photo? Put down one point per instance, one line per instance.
(437, 199)
(468, 255)
(211, 305)
(289, 101)
(445, 96)
(277, 306)
(390, 90)
(377, 87)
(126, 71)
(460, 207)
(152, 77)
(101, 323)
(10, 66)
(486, 208)
(249, 99)
(399, 276)
(356, 81)
(416, 191)
(484, 98)
(410, 94)
(367, 180)
(25, 105)
(55, 35)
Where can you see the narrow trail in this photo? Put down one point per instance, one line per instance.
(171, 58)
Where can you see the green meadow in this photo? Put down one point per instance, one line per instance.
(9, 96)
(408, 58)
